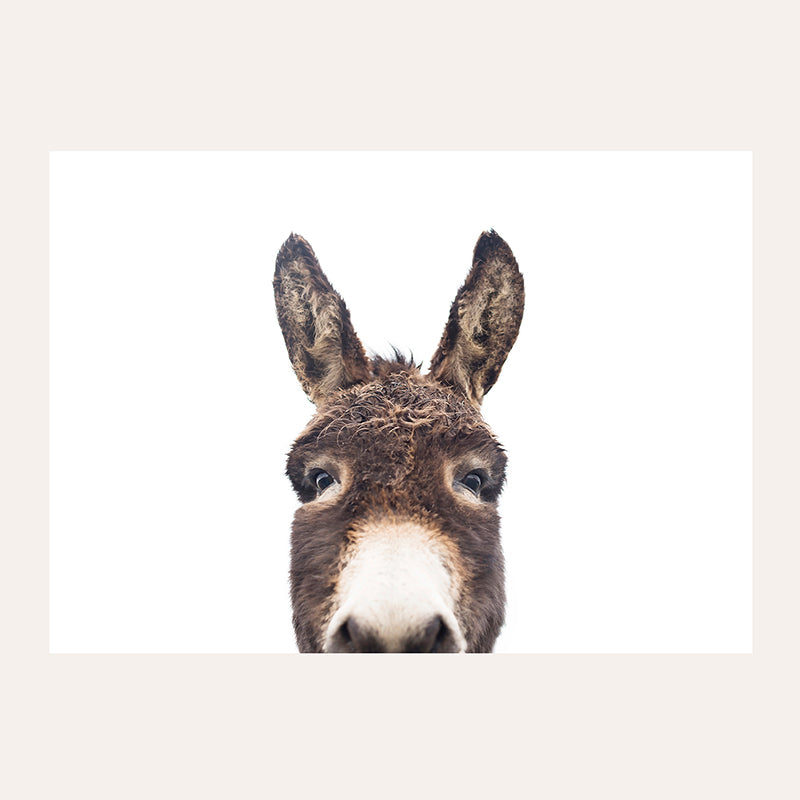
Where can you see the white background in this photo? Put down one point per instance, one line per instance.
(625, 405)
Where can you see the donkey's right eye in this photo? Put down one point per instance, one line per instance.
(322, 480)
(316, 483)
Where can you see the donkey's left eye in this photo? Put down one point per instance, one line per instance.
(473, 481)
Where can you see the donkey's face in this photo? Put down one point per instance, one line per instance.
(396, 547)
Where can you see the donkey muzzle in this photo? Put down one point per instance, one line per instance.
(397, 593)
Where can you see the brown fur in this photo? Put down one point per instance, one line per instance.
(397, 440)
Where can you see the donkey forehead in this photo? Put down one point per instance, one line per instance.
(395, 417)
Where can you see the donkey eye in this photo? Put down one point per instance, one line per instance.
(322, 480)
(473, 481)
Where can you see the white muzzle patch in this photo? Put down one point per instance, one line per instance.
(398, 577)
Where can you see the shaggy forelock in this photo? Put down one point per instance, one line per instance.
(399, 400)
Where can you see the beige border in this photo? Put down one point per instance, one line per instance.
(695, 75)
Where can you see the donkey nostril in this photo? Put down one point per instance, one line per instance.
(342, 640)
(353, 637)
(436, 637)
(430, 635)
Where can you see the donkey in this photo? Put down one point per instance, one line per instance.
(396, 546)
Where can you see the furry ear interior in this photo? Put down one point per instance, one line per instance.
(324, 349)
(484, 321)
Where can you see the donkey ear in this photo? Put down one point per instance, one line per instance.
(484, 321)
(323, 347)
